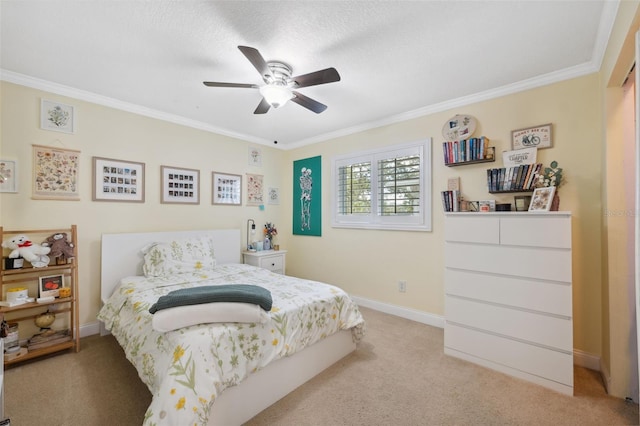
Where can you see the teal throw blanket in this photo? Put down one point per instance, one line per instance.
(242, 293)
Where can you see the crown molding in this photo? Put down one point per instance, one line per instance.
(509, 89)
(59, 89)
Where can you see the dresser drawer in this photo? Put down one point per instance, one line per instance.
(540, 329)
(536, 231)
(543, 296)
(541, 362)
(472, 229)
(545, 264)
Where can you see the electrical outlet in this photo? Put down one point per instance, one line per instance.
(402, 286)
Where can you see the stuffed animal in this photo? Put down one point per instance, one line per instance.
(21, 245)
(59, 246)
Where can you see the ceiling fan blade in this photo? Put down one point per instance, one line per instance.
(239, 85)
(256, 60)
(308, 103)
(263, 107)
(328, 75)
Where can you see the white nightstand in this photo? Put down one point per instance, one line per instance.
(273, 260)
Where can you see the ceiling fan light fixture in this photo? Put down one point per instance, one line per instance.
(277, 96)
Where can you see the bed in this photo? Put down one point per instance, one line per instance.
(220, 373)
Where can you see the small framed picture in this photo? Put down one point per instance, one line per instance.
(532, 137)
(8, 176)
(522, 202)
(180, 186)
(255, 156)
(57, 116)
(255, 193)
(50, 285)
(118, 180)
(273, 195)
(541, 199)
(226, 189)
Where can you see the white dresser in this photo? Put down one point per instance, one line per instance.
(508, 301)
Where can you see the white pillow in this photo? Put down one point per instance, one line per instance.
(179, 257)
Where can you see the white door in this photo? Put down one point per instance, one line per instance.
(637, 210)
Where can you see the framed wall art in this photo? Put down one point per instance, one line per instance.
(57, 116)
(532, 137)
(50, 285)
(255, 156)
(542, 198)
(273, 196)
(179, 186)
(118, 180)
(226, 189)
(307, 196)
(55, 173)
(255, 191)
(8, 176)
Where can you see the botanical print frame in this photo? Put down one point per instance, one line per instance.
(55, 173)
(255, 156)
(273, 196)
(57, 116)
(179, 185)
(542, 198)
(8, 176)
(255, 192)
(307, 196)
(117, 180)
(226, 189)
(532, 137)
(50, 285)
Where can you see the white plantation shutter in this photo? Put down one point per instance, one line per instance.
(387, 188)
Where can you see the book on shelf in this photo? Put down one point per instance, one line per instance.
(466, 150)
(516, 178)
(450, 201)
(48, 338)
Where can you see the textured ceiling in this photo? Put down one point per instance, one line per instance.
(396, 59)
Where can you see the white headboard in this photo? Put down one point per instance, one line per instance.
(121, 255)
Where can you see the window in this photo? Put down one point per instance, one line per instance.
(387, 188)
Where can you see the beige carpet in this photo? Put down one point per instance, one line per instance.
(398, 376)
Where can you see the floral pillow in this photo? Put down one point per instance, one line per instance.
(179, 257)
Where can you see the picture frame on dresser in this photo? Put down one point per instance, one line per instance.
(541, 199)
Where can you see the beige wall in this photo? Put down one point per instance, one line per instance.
(106, 132)
(365, 263)
(369, 263)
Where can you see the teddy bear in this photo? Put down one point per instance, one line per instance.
(59, 246)
(21, 246)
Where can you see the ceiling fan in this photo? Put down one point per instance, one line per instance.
(279, 86)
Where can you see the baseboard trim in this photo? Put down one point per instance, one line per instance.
(586, 360)
(402, 312)
(90, 329)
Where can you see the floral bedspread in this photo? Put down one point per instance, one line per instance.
(188, 368)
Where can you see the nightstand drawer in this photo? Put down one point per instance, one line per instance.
(272, 263)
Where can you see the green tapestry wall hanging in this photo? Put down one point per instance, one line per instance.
(307, 196)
